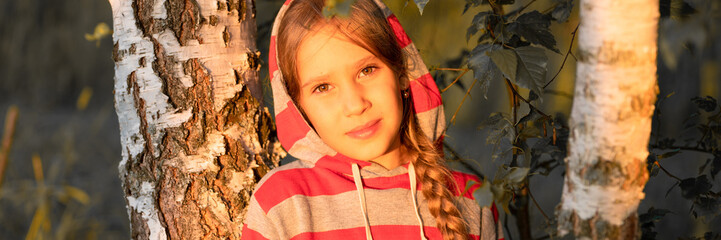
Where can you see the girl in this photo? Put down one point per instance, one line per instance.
(358, 108)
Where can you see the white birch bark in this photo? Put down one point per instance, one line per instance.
(610, 119)
(194, 135)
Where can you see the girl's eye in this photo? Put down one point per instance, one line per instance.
(321, 88)
(367, 71)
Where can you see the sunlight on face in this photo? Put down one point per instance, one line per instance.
(350, 96)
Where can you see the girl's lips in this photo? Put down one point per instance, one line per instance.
(365, 131)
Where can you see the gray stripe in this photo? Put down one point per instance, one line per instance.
(343, 211)
(488, 225)
(258, 221)
(414, 63)
(291, 165)
(432, 121)
(311, 148)
(280, 97)
(387, 12)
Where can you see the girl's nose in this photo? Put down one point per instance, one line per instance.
(354, 100)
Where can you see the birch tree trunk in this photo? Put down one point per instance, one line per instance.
(194, 134)
(610, 119)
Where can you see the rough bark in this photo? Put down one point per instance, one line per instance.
(610, 119)
(194, 135)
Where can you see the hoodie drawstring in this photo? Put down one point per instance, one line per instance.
(412, 176)
(362, 198)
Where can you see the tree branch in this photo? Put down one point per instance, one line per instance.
(537, 205)
(453, 119)
(7, 140)
(456, 80)
(510, 85)
(666, 171)
(462, 161)
(518, 11)
(695, 149)
(570, 46)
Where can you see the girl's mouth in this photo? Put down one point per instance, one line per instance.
(366, 130)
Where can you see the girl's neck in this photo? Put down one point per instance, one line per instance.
(394, 158)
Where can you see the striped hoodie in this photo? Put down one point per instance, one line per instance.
(325, 195)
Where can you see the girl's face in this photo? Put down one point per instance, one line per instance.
(350, 96)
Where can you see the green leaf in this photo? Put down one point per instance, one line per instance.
(693, 187)
(707, 206)
(511, 176)
(502, 196)
(531, 116)
(421, 5)
(501, 126)
(715, 166)
(651, 165)
(478, 23)
(502, 2)
(653, 215)
(531, 73)
(505, 60)
(516, 175)
(708, 103)
(337, 8)
(483, 195)
(534, 27)
(470, 4)
(562, 10)
(669, 154)
(484, 70)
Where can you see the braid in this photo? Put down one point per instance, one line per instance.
(435, 179)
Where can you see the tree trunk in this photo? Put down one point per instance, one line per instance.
(194, 134)
(610, 120)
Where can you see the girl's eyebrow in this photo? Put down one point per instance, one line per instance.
(323, 77)
(365, 60)
(314, 80)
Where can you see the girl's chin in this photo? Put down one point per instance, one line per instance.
(369, 151)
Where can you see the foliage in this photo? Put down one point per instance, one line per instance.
(699, 189)
(509, 48)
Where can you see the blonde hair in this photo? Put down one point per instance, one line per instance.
(369, 29)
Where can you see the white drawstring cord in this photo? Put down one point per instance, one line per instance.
(412, 176)
(362, 197)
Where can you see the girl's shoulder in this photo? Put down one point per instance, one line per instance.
(280, 183)
(284, 174)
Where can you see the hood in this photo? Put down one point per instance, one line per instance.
(302, 142)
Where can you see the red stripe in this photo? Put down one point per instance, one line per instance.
(401, 36)
(378, 232)
(272, 63)
(304, 181)
(317, 182)
(495, 212)
(320, 181)
(250, 234)
(287, 2)
(464, 179)
(426, 95)
(293, 127)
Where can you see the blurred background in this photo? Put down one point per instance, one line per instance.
(61, 179)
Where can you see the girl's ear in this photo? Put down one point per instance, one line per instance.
(404, 84)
